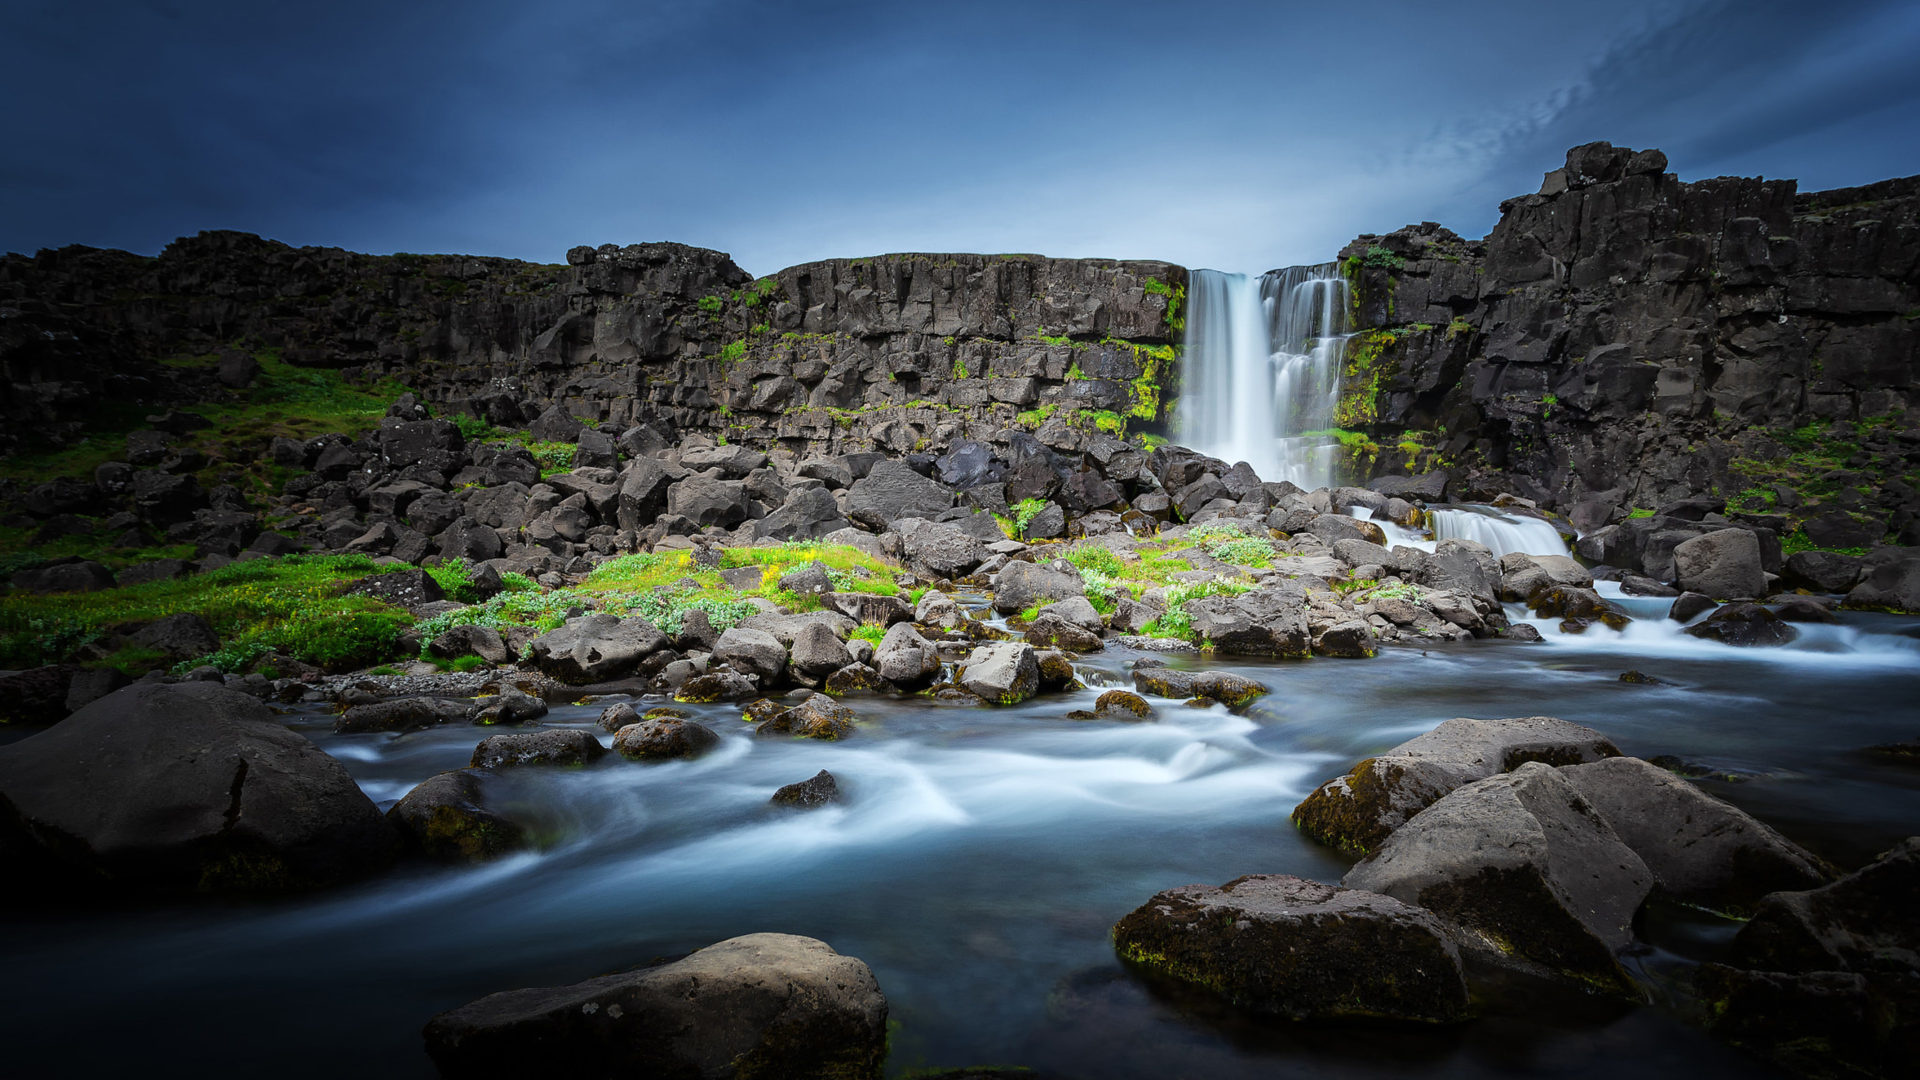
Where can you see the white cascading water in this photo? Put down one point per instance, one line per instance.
(1502, 533)
(1262, 369)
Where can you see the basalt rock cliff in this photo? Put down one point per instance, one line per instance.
(1623, 340)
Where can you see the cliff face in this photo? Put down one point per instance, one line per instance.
(893, 351)
(1622, 339)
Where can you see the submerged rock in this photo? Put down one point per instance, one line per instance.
(189, 786)
(1746, 625)
(1523, 862)
(819, 790)
(763, 1005)
(1358, 811)
(1279, 944)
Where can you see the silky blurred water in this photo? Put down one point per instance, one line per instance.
(977, 865)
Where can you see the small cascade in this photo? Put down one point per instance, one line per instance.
(1502, 533)
(1262, 370)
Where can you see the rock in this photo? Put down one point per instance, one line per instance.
(892, 491)
(717, 686)
(189, 786)
(752, 652)
(87, 686)
(1427, 487)
(663, 739)
(596, 648)
(808, 514)
(1163, 682)
(1745, 625)
(1278, 944)
(471, 639)
(1804, 609)
(872, 609)
(1724, 565)
(763, 1005)
(1122, 705)
(818, 717)
(67, 577)
(402, 714)
(182, 636)
(618, 715)
(818, 651)
(1465, 567)
(906, 659)
(1890, 586)
(1049, 631)
(401, 588)
(510, 706)
(1358, 811)
(1056, 671)
(708, 502)
(1226, 688)
(855, 678)
(1352, 639)
(557, 746)
(446, 818)
(1523, 861)
(1002, 672)
(1823, 571)
(809, 579)
(1584, 605)
(1701, 850)
(1687, 606)
(36, 695)
(1864, 922)
(1020, 585)
(1270, 621)
(818, 791)
(786, 629)
(939, 550)
(642, 496)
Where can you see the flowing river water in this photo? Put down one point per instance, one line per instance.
(977, 866)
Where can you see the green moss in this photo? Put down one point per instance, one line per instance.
(1366, 368)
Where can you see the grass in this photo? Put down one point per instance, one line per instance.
(1175, 623)
(290, 606)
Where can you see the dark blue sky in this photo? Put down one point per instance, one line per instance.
(1232, 135)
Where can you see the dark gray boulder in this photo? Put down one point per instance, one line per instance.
(664, 738)
(446, 818)
(809, 513)
(401, 588)
(471, 639)
(906, 659)
(1525, 864)
(181, 636)
(1724, 565)
(510, 706)
(1359, 810)
(189, 786)
(763, 1005)
(1020, 585)
(596, 648)
(752, 652)
(1893, 585)
(1307, 951)
(708, 501)
(403, 714)
(818, 717)
(939, 550)
(816, 791)
(892, 491)
(1701, 850)
(1745, 625)
(556, 746)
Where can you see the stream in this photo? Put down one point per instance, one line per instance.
(977, 865)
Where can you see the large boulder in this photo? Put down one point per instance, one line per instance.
(1002, 672)
(906, 659)
(752, 652)
(763, 1005)
(403, 714)
(709, 501)
(596, 648)
(1745, 625)
(892, 491)
(1020, 585)
(939, 550)
(1865, 922)
(1890, 586)
(1359, 810)
(809, 513)
(1266, 622)
(664, 738)
(189, 786)
(1525, 865)
(1724, 565)
(446, 818)
(82, 575)
(1466, 567)
(1278, 944)
(1701, 850)
(818, 717)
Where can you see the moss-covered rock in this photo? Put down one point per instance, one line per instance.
(1122, 705)
(1300, 949)
(664, 740)
(446, 818)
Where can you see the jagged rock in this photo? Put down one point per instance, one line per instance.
(807, 514)
(939, 549)
(188, 786)
(596, 648)
(1701, 850)
(1002, 672)
(818, 652)
(809, 579)
(1823, 571)
(1279, 944)
(855, 678)
(1266, 622)
(892, 491)
(36, 695)
(872, 609)
(1747, 625)
(1890, 586)
(643, 493)
(818, 790)
(1724, 565)
(818, 717)
(558, 746)
(664, 738)
(1360, 810)
(770, 1005)
(1863, 923)
(707, 501)
(1522, 861)
(1048, 630)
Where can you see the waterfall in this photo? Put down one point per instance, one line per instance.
(1262, 370)
(1502, 533)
